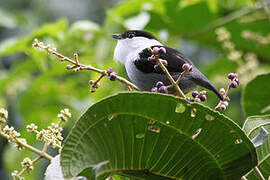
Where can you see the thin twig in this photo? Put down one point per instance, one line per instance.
(173, 83)
(81, 66)
(182, 75)
(27, 146)
(244, 178)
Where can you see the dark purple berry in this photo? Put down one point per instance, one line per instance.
(195, 94)
(113, 77)
(110, 70)
(188, 99)
(156, 50)
(159, 84)
(163, 89)
(162, 50)
(186, 67)
(203, 97)
(154, 89)
(231, 76)
(237, 81)
(233, 84)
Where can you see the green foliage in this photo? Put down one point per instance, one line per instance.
(146, 135)
(255, 99)
(35, 86)
(252, 128)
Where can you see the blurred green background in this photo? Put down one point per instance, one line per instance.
(34, 86)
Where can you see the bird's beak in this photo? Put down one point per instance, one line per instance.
(117, 36)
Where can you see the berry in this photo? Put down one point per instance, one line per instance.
(222, 91)
(195, 94)
(163, 89)
(97, 85)
(237, 81)
(162, 50)
(113, 77)
(203, 92)
(69, 66)
(156, 50)
(203, 98)
(231, 76)
(197, 100)
(154, 89)
(225, 103)
(110, 70)
(222, 107)
(233, 84)
(188, 99)
(186, 67)
(159, 84)
(91, 82)
(92, 90)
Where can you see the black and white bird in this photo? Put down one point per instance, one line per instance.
(132, 50)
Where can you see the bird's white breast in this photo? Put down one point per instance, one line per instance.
(128, 49)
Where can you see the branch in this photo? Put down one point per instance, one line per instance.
(27, 146)
(78, 66)
(52, 136)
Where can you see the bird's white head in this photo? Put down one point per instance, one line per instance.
(131, 42)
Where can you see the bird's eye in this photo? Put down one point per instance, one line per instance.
(130, 36)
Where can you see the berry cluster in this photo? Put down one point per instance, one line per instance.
(197, 96)
(110, 74)
(157, 52)
(234, 79)
(222, 105)
(160, 87)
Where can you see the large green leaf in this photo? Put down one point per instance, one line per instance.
(252, 128)
(155, 136)
(255, 99)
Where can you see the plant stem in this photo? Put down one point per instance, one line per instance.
(31, 148)
(258, 172)
(82, 66)
(174, 84)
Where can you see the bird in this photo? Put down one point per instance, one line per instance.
(132, 50)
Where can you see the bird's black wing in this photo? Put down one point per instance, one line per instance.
(174, 58)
